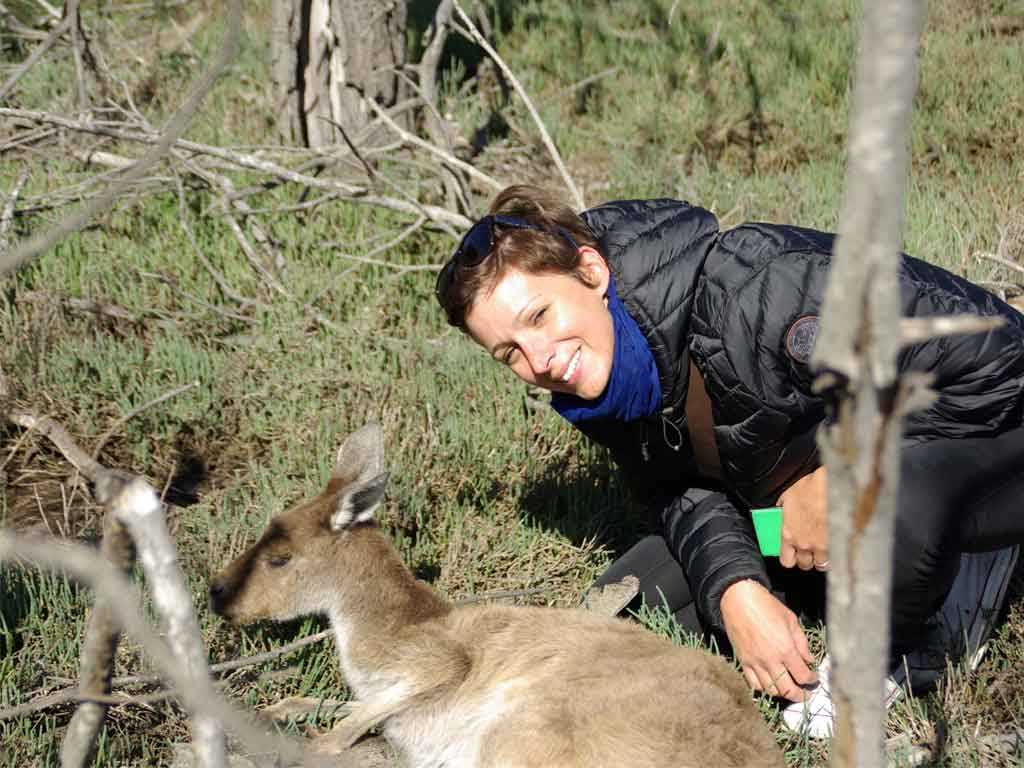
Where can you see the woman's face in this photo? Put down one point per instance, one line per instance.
(552, 330)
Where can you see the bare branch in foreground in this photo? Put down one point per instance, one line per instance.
(858, 343)
(181, 119)
(98, 651)
(134, 503)
(198, 693)
(474, 33)
(915, 330)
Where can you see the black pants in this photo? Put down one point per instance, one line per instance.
(955, 496)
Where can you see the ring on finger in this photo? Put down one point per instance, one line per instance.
(822, 566)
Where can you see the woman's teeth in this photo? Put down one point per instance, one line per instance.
(572, 367)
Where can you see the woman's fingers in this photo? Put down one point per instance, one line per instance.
(805, 560)
(787, 555)
(752, 679)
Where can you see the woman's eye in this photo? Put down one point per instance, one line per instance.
(278, 560)
(539, 316)
(510, 356)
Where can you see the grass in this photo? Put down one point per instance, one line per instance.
(739, 106)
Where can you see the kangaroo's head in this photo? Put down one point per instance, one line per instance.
(306, 555)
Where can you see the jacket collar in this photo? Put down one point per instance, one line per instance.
(656, 250)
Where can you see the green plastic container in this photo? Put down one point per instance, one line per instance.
(768, 527)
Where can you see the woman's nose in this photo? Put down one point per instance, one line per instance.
(540, 354)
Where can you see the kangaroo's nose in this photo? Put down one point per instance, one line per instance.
(218, 593)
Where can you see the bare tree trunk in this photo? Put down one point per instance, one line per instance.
(857, 348)
(326, 56)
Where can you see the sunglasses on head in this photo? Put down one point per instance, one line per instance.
(477, 243)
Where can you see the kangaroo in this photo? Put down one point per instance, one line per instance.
(484, 684)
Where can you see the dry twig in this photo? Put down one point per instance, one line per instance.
(10, 260)
(7, 215)
(444, 218)
(474, 34)
(135, 412)
(35, 56)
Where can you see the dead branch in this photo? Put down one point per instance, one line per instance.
(71, 11)
(71, 694)
(915, 330)
(98, 651)
(7, 215)
(472, 32)
(135, 505)
(39, 51)
(53, 12)
(59, 436)
(444, 156)
(218, 278)
(1002, 261)
(10, 260)
(444, 218)
(197, 692)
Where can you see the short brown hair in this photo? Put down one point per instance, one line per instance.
(543, 249)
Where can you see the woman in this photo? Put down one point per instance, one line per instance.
(685, 351)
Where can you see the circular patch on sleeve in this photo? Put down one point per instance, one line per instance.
(801, 337)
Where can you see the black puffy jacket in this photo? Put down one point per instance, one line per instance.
(734, 301)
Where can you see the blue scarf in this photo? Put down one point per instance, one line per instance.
(633, 390)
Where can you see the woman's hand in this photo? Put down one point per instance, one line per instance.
(767, 641)
(805, 523)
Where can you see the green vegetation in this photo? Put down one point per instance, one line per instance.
(740, 106)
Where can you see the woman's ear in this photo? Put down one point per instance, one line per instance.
(594, 268)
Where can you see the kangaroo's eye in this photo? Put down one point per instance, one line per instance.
(278, 560)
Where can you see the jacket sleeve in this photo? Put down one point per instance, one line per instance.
(714, 543)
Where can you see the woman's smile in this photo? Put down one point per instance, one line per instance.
(574, 365)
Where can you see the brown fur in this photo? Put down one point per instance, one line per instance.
(486, 685)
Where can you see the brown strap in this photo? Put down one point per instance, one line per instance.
(701, 426)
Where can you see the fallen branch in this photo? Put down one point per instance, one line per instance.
(1002, 261)
(7, 215)
(446, 157)
(47, 427)
(352, 193)
(38, 53)
(65, 695)
(475, 35)
(181, 119)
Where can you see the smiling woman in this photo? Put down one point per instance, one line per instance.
(685, 350)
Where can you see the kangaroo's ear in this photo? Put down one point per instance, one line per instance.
(361, 456)
(358, 502)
